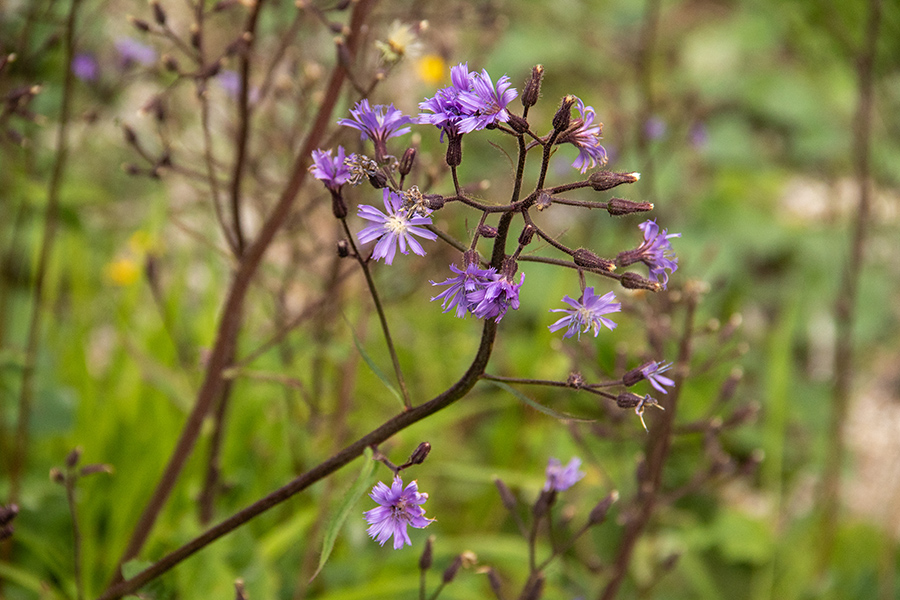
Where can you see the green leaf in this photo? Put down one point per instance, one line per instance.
(539, 407)
(373, 367)
(349, 499)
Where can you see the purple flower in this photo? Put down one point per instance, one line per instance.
(85, 67)
(378, 123)
(587, 313)
(399, 507)
(699, 136)
(392, 228)
(132, 51)
(652, 373)
(485, 104)
(471, 102)
(332, 171)
(585, 135)
(655, 128)
(560, 478)
(656, 252)
(498, 296)
(462, 286)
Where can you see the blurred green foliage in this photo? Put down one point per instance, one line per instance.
(752, 162)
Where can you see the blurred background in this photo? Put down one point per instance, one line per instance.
(744, 119)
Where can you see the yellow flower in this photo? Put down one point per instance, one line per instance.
(123, 271)
(432, 69)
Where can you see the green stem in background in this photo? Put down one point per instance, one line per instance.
(233, 306)
(847, 300)
(407, 403)
(26, 393)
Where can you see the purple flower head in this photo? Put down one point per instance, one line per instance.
(587, 313)
(699, 135)
(398, 508)
(377, 123)
(393, 227)
(85, 67)
(485, 104)
(471, 102)
(585, 135)
(462, 287)
(655, 128)
(133, 52)
(496, 297)
(652, 373)
(656, 252)
(560, 478)
(332, 171)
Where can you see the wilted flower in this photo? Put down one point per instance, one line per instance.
(392, 228)
(585, 135)
(398, 508)
(656, 252)
(498, 296)
(560, 478)
(462, 287)
(402, 40)
(652, 373)
(587, 313)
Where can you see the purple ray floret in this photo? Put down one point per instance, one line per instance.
(656, 251)
(560, 478)
(586, 313)
(462, 286)
(485, 104)
(377, 123)
(394, 227)
(584, 134)
(330, 170)
(398, 508)
(494, 299)
(652, 372)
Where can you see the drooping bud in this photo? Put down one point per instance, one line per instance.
(532, 90)
(563, 116)
(606, 180)
(598, 513)
(632, 281)
(587, 259)
(620, 206)
(407, 161)
(517, 123)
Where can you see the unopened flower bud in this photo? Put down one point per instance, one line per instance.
(97, 467)
(517, 123)
(427, 554)
(486, 231)
(170, 63)
(57, 476)
(506, 495)
(532, 90)
(587, 259)
(633, 376)
(419, 454)
(8, 513)
(628, 400)
(196, 36)
(494, 580)
(158, 13)
(534, 588)
(131, 169)
(598, 513)
(726, 392)
(619, 206)
(606, 180)
(73, 457)
(407, 161)
(543, 503)
(526, 235)
(139, 24)
(454, 150)
(564, 115)
(130, 135)
(343, 248)
(632, 281)
(451, 571)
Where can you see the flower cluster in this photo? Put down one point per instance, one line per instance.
(470, 103)
(398, 507)
(485, 293)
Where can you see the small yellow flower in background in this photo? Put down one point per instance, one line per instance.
(432, 69)
(123, 271)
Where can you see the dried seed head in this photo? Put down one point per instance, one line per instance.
(587, 259)
(606, 180)
(632, 281)
(619, 206)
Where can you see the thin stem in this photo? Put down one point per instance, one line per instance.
(26, 393)
(370, 282)
(845, 306)
(71, 479)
